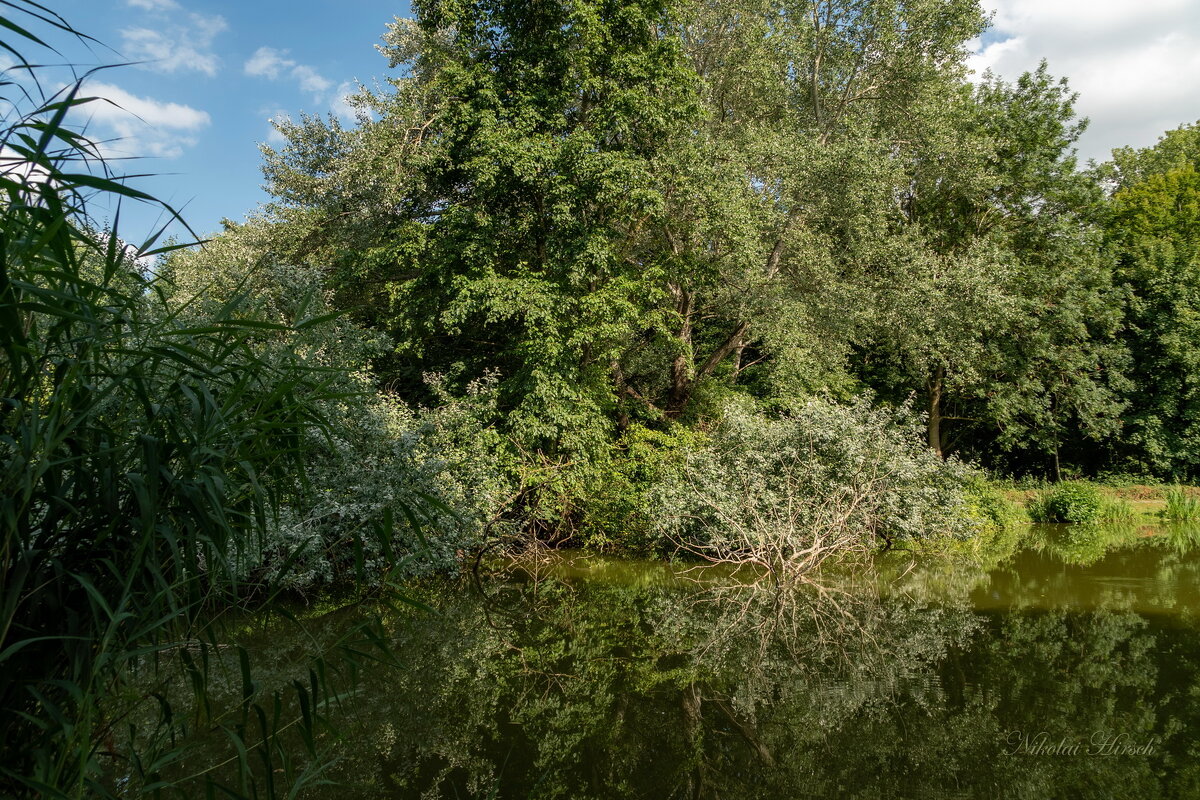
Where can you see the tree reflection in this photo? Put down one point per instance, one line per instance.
(554, 687)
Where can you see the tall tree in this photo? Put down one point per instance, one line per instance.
(1154, 232)
(613, 203)
(1003, 314)
(810, 105)
(496, 201)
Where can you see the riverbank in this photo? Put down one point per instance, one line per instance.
(1145, 502)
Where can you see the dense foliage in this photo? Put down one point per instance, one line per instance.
(1153, 230)
(623, 214)
(752, 280)
(1069, 501)
(787, 493)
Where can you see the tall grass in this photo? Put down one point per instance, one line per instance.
(1182, 505)
(141, 460)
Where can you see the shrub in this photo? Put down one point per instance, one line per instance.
(376, 458)
(617, 499)
(788, 492)
(1069, 501)
(988, 504)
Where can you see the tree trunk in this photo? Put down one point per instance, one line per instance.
(737, 360)
(935, 411)
(681, 378)
(681, 389)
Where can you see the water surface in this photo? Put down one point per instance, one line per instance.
(1066, 665)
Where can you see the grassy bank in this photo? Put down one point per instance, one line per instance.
(1137, 501)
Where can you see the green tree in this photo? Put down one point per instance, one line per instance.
(521, 147)
(996, 305)
(614, 205)
(1154, 233)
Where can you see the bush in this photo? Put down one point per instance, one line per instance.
(988, 504)
(788, 492)
(1069, 501)
(617, 499)
(376, 459)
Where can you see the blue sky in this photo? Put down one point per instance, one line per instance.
(215, 71)
(218, 69)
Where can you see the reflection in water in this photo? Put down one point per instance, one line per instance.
(1064, 670)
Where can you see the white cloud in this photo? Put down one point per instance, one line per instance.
(140, 126)
(1135, 66)
(272, 64)
(153, 5)
(267, 62)
(183, 43)
(309, 80)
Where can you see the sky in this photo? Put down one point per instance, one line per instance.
(1135, 65)
(211, 73)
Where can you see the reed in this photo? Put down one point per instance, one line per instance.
(1182, 505)
(141, 459)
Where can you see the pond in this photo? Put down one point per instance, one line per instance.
(1066, 666)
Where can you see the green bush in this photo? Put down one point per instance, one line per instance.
(617, 504)
(377, 456)
(1121, 479)
(1117, 510)
(987, 502)
(1069, 501)
(601, 500)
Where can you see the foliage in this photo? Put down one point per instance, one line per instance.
(630, 212)
(378, 457)
(616, 502)
(525, 139)
(613, 205)
(787, 493)
(1008, 325)
(1182, 505)
(987, 502)
(146, 450)
(1153, 230)
(1176, 149)
(1069, 501)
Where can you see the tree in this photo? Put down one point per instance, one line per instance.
(1001, 312)
(513, 170)
(615, 204)
(1154, 233)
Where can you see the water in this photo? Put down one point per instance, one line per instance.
(1063, 666)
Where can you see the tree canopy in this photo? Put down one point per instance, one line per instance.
(625, 212)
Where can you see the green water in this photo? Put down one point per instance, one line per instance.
(1067, 666)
